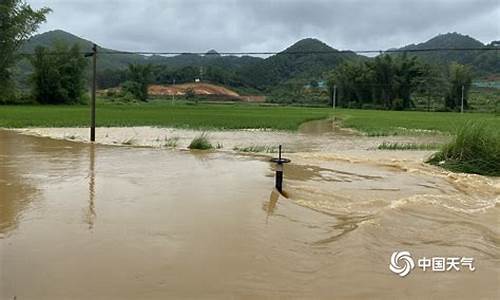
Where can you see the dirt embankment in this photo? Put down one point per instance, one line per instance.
(201, 89)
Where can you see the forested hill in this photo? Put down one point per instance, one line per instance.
(305, 61)
(308, 58)
(51, 38)
(483, 62)
(296, 62)
(121, 61)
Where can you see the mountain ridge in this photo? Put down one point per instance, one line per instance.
(305, 60)
(482, 62)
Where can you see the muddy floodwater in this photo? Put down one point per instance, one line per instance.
(82, 221)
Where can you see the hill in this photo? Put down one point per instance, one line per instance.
(448, 40)
(307, 59)
(483, 62)
(296, 62)
(110, 63)
(50, 38)
(210, 59)
(121, 61)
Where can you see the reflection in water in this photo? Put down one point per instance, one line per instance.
(16, 191)
(270, 205)
(345, 225)
(91, 214)
(24, 162)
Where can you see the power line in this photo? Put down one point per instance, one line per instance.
(161, 53)
(305, 52)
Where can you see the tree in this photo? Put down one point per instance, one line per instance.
(58, 75)
(386, 81)
(408, 72)
(139, 78)
(432, 85)
(46, 85)
(353, 81)
(383, 79)
(111, 78)
(459, 76)
(18, 21)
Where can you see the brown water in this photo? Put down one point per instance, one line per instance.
(80, 221)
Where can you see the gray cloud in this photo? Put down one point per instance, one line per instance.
(258, 25)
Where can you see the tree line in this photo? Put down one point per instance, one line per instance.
(390, 82)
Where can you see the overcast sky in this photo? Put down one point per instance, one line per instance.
(268, 25)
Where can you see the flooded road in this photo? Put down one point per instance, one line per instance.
(80, 221)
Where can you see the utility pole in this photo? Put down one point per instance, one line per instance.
(462, 106)
(428, 97)
(94, 89)
(334, 96)
(173, 92)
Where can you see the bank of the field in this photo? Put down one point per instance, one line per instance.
(235, 116)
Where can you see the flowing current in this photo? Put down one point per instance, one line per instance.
(80, 221)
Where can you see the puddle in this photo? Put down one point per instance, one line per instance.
(80, 221)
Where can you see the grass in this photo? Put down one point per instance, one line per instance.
(202, 116)
(475, 149)
(236, 116)
(384, 123)
(201, 142)
(407, 146)
(257, 149)
(171, 142)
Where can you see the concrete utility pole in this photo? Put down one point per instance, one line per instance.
(173, 92)
(94, 89)
(334, 96)
(462, 106)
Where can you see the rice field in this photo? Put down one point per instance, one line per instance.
(237, 116)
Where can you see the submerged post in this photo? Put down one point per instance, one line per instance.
(279, 169)
(94, 88)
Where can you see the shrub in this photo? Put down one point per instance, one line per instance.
(201, 142)
(171, 142)
(475, 149)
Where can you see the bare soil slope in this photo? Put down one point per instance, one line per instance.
(200, 89)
